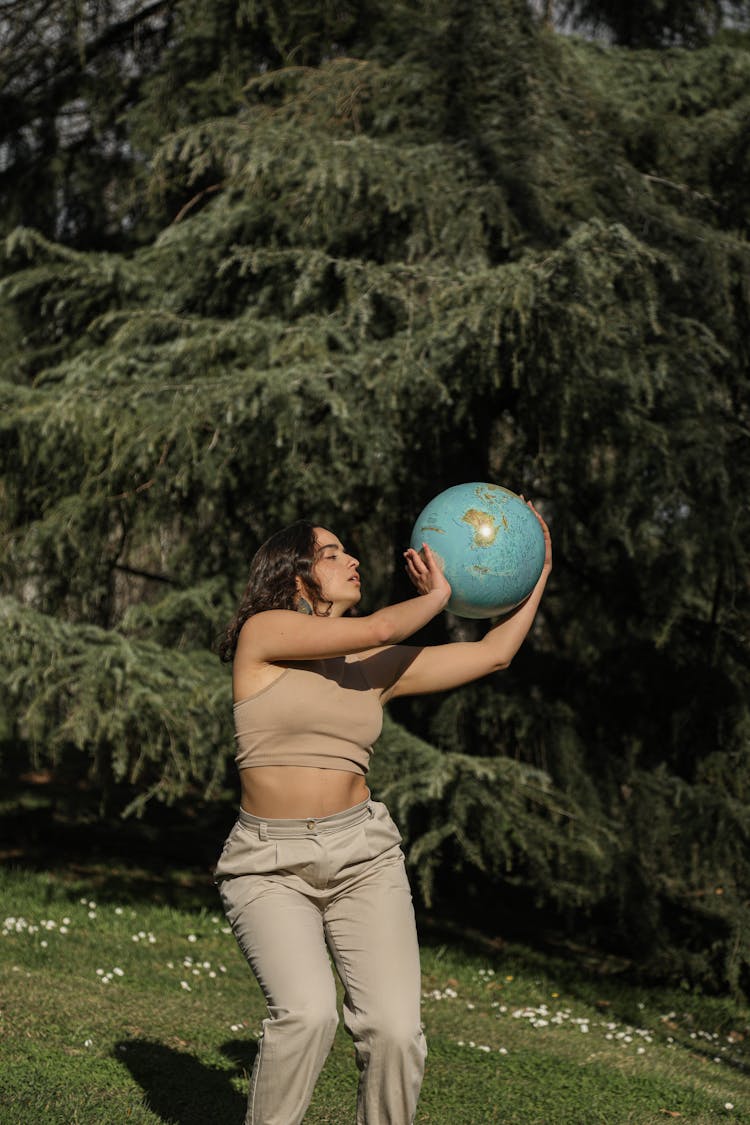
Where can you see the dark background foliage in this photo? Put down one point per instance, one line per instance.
(271, 261)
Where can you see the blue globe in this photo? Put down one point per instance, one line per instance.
(490, 544)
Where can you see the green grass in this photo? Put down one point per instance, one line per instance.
(513, 1037)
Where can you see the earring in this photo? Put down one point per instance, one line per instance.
(303, 606)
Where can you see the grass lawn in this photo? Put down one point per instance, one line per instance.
(136, 1013)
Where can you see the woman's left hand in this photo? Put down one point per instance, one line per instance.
(426, 571)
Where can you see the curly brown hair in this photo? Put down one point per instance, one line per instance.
(288, 554)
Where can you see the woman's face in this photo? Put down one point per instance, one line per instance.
(336, 571)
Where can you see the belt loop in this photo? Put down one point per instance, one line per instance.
(263, 830)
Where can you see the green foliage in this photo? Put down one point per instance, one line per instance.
(655, 23)
(133, 716)
(499, 815)
(387, 261)
(70, 73)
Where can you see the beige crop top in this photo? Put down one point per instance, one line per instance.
(324, 713)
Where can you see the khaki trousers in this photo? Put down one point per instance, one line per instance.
(293, 890)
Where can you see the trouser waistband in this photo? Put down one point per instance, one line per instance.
(306, 826)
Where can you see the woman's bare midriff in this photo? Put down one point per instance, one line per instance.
(297, 792)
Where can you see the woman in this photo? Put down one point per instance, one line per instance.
(313, 864)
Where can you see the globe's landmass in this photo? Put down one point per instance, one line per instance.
(485, 528)
(479, 517)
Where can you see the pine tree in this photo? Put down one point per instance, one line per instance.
(401, 252)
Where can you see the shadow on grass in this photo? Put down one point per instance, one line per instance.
(183, 1091)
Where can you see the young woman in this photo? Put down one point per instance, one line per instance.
(313, 864)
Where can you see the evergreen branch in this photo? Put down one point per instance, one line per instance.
(144, 573)
(191, 203)
(653, 179)
(155, 713)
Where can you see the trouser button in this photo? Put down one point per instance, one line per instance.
(311, 824)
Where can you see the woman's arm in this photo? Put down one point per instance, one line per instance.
(440, 667)
(281, 634)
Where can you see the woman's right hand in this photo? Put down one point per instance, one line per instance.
(426, 573)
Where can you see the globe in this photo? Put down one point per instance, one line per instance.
(489, 543)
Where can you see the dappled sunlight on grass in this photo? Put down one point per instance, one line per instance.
(111, 1008)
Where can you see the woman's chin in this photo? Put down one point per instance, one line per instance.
(354, 597)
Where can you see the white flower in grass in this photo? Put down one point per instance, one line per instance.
(63, 929)
(100, 972)
(92, 914)
(470, 1007)
(88, 1042)
(192, 937)
(482, 1047)
(226, 929)
(43, 944)
(92, 906)
(502, 1050)
(728, 1105)
(118, 910)
(641, 1051)
(118, 972)
(184, 984)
